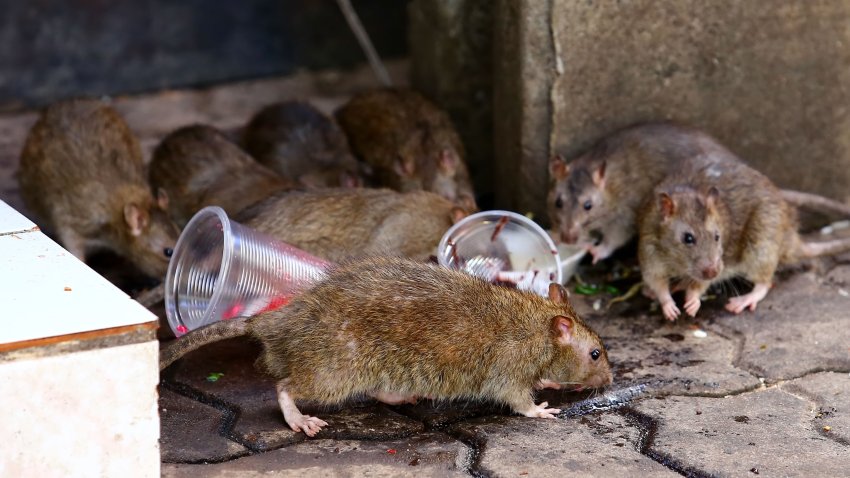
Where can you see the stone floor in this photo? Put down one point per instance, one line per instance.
(764, 393)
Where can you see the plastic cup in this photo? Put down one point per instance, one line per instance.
(502, 247)
(221, 269)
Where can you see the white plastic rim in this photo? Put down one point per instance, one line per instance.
(178, 263)
(493, 216)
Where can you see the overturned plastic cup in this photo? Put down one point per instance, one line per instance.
(221, 269)
(502, 247)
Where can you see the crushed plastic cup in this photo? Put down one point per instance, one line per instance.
(221, 269)
(502, 247)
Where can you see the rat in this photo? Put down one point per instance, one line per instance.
(714, 220)
(396, 330)
(594, 199)
(337, 223)
(83, 176)
(302, 144)
(198, 166)
(410, 143)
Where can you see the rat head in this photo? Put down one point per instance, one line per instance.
(577, 200)
(427, 161)
(691, 227)
(580, 359)
(151, 234)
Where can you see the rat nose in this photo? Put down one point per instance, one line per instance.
(569, 237)
(710, 272)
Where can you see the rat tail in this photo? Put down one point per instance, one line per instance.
(824, 248)
(226, 329)
(815, 202)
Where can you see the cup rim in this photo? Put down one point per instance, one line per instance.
(500, 212)
(175, 267)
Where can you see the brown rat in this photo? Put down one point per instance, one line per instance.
(198, 166)
(300, 143)
(594, 199)
(715, 220)
(339, 223)
(410, 143)
(396, 330)
(82, 174)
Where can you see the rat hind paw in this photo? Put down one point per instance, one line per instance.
(307, 424)
(736, 305)
(540, 411)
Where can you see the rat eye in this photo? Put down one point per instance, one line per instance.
(594, 354)
(559, 202)
(717, 237)
(168, 251)
(688, 239)
(588, 205)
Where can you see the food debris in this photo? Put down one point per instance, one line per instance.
(67, 289)
(827, 428)
(586, 289)
(763, 347)
(700, 334)
(214, 376)
(392, 451)
(843, 293)
(597, 304)
(633, 290)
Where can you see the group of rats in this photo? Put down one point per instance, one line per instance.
(289, 172)
(385, 322)
(701, 214)
(373, 189)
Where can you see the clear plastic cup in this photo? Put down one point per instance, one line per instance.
(502, 247)
(221, 269)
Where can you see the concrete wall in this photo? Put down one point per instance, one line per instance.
(771, 79)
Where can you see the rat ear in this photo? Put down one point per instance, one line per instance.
(599, 175)
(403, 167)
(562, 329)
(136, 218)
(447, 162)
(668, 206)
(347, 179)
(558, 294)
(458, 213)
(162, 199)
(559, 170)
(467, 202)
(712, 196)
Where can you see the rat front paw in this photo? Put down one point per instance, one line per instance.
(692, 306)
(671, 312)
(545, 383)
(540, 411)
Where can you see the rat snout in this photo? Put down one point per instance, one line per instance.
(569, 236)
(711, 270)
(601, 379)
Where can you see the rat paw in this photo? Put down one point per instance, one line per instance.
(307, 424)
(692, 306)
(671, 312)
(540, 411)
(545, 383)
